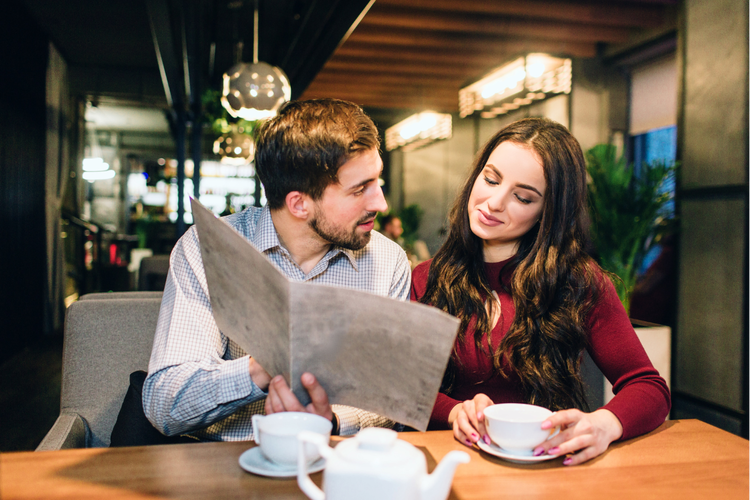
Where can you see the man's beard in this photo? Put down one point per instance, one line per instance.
(339, 236)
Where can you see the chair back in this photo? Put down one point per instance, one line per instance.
(152, 273)
(105, 341)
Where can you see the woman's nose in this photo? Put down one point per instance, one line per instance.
(497, 201)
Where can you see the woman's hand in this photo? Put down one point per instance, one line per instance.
(467, 419)
(585, 435)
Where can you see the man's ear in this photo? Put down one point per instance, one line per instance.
(299, 204)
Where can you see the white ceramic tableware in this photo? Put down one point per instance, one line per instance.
(374, 465)
(277, 435)
(516, 427)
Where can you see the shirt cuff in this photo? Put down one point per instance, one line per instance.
(236, 383)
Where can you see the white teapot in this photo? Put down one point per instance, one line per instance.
(375, 464)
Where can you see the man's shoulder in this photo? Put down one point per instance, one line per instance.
(381, 244)
(246, 221)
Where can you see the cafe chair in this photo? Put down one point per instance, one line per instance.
(105, 340)
(152, 273)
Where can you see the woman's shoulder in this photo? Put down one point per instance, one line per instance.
(419, 279)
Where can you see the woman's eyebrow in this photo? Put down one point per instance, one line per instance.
(523, 186)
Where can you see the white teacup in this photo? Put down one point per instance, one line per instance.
(516, 427)
(277, 435)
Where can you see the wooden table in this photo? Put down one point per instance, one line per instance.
(682, 459)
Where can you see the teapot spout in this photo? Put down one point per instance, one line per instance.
(437, 485)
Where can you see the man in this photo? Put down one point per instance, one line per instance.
(319, 162)
(392, 228)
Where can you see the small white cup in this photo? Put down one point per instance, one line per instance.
(277, 435)
(516, 427)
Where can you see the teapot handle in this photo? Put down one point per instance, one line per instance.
(256, 424)
(303, 478)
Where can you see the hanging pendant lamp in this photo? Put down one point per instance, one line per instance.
(257, 90)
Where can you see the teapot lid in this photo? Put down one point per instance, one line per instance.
(377, 446)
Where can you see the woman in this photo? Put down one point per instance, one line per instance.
(515, 271)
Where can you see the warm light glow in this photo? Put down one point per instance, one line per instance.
(94, 165)
(418, 130)
(535, 76)
(96, 176)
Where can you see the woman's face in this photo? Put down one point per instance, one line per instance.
(506, 200)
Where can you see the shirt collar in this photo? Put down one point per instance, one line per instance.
(266, 238)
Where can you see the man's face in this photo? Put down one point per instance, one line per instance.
(345, 214)
(394, 228)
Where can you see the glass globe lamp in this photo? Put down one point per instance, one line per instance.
(235, 147)
(255, 91)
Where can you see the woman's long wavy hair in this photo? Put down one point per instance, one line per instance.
(554, 284)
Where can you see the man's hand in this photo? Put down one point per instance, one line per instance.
(281, 398)
(260, 376)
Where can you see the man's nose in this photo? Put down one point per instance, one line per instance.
(377, 202)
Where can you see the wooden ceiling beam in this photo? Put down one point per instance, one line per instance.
(395, 102)
(434, 56)
(328, 75)
(470, 42)
(448, 91)
(604, 13)
(492, 25)
(407, 68)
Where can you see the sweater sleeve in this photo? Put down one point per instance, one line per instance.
(642, 400)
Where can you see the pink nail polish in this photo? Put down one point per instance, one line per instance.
(487, 439)
(468, 441)
(567, 461)
(538, 452)
(474, 435)
(553, 451)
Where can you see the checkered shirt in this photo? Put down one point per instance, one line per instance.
(199, 381)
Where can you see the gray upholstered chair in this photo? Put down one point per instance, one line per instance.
(152, 272)
(121, 295)
(105, 341)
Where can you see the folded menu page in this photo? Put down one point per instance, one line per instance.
(371, 352)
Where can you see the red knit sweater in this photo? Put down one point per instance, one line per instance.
(641, 401)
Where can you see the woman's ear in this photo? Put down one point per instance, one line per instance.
(298, 204)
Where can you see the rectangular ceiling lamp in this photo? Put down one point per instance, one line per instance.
(518, 83)
(419, 130)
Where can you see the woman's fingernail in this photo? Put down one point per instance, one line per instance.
(487, 439)
(546, 425)
(567, 461)
(538, 452)
(553, 451)
(468, 441)
(474, 435)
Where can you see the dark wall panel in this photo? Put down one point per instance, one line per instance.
(23, 60)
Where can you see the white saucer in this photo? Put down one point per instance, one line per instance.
(253, 461)
(494, 449)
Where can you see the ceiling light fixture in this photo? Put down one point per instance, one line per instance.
(235, 147)
(419, 130)
(254, 91)
(518, 83)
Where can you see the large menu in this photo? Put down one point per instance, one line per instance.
(371, 352)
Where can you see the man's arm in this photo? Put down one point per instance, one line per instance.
(191, 383)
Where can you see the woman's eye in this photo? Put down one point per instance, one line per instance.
(490, 181)
(523, 200)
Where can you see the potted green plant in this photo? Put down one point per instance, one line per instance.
(627, 211)
(629, 217)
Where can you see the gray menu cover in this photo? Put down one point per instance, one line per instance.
(371, 352)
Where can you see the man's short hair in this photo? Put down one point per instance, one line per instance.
(303, 147)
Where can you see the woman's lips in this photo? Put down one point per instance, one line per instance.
(487, 219)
